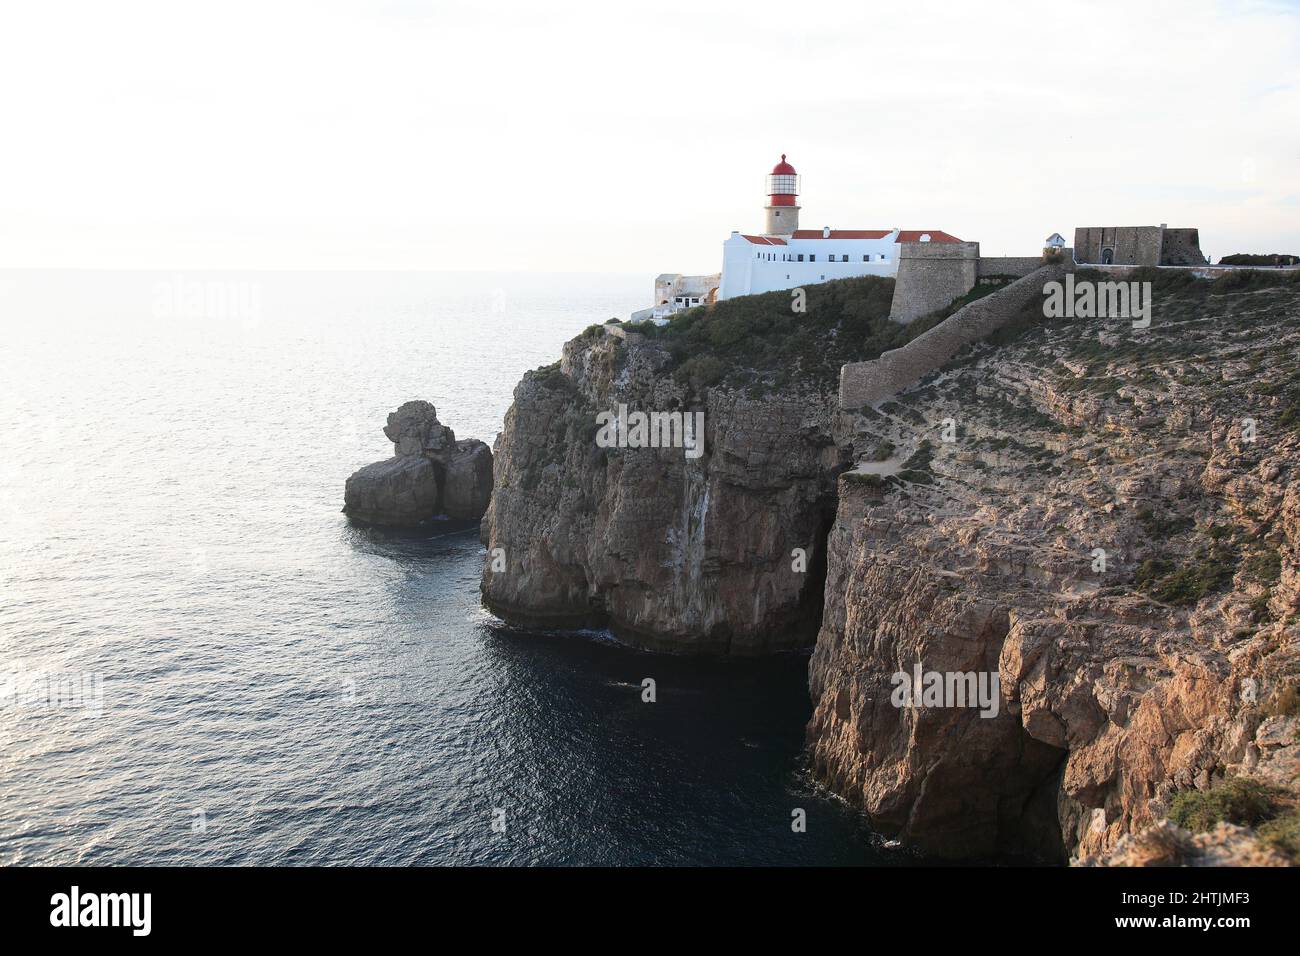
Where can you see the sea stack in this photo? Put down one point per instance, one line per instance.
(430, 476)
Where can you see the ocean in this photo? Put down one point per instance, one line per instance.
(203, 662)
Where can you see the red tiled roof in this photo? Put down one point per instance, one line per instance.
(905, 235)
(914, 235)
(842, 233)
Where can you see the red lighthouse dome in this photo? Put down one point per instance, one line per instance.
(782, 184)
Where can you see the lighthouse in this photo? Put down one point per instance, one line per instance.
(787, 257)
(782, 210)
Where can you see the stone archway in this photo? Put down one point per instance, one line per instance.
(1107, 256)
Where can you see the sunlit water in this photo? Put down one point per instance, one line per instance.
(242, 677)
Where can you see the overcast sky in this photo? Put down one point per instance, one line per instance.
(629, 137)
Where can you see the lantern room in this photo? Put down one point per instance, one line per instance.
(783, 184)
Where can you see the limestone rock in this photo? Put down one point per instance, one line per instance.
(432, 474)
(1164, 844)
(1127, 673)
(414, 429)
(468, 485)
(670, 552)
(399, 491)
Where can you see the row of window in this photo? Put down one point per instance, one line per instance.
(812, 257)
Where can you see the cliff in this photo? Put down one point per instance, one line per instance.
(1069, 506)
(1168, 667)
(672, 552)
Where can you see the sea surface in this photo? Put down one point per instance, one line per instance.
(203, 662)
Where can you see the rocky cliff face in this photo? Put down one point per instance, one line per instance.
(671, 552)
(1106, 519)
(1159, 665)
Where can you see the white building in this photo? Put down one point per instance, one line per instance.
(785, 256)
(675, 292)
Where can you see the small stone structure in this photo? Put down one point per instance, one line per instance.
(631, 338)
(1138, 246)
(867, 383)
(431, 474)
(931, 275)
(675, 292)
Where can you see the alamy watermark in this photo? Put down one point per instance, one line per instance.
(920, 688)
(209, 299)
(53, 690)
(1098, 300)
(75, 908)
(624, 429)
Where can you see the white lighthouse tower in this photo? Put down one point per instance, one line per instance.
(782, 210)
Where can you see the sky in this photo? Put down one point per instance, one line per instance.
(629, 137)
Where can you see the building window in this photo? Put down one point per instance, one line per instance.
(866, 258)
(845, 258)
(801, 257)
(812, 257)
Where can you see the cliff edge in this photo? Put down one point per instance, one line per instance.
(1101, 519)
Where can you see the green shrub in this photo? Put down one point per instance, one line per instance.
(1264, 567)
(1163, 525)
(921, 458)
(874, 483)
(1283, 834)
(701, 371)
(1255, 259)
(1259, 608)
(883, 451)
(1244, 802)
(1209, 570)
(733, 341)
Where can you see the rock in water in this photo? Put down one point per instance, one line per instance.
(431, 474)
(468, 480)
(414, 429)
(399, 491)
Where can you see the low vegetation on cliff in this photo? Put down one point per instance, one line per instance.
(760, 341)
(1253, 259)
(1271, 811)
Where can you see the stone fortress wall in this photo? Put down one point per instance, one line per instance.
(1138, 246)
(867, 383)
(1010, 265)
(931, 275)
(1181, 247)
